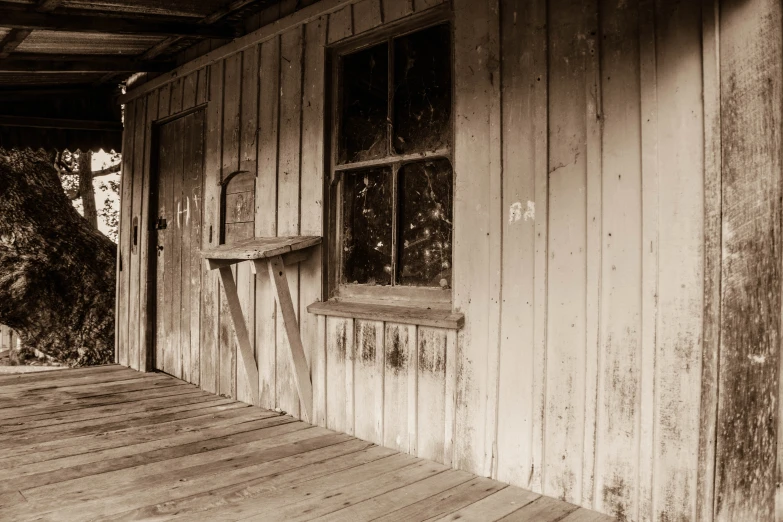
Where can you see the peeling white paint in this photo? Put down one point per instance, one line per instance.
(515, 212)
(530, 213)
(758, 359)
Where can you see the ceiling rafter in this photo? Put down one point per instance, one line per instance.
(215, 17)
(17, 36)
(11, 41)
(46, 63)
(96, 23)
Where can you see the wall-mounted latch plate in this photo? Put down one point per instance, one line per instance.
(160, 224)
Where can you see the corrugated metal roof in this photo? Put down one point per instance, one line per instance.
(184, 8)
(28, 75)
(24, 78)
(62, 42)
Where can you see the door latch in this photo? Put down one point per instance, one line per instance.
(160, 224)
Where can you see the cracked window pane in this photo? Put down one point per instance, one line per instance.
(425, 224)
(422, 90)
(365, 100)
(367, 226)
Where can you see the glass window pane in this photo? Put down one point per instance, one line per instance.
(365, 83)
(367, 226)
(425, 224)
(422, 90)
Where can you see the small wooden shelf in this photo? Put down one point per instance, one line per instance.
(421, 316)
(271, 255)
(260, 248)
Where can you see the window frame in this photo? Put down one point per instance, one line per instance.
(417, 296)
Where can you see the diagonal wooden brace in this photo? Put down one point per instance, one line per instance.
(304, 386)
(240, 328)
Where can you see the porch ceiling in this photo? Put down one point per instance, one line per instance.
(91, 46)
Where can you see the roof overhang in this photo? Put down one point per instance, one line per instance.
(62, 61)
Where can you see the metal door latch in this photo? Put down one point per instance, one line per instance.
(160, 224)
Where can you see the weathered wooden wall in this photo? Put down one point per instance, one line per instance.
(595, 185)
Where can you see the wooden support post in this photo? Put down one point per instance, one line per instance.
(240, 328)
(283, 294)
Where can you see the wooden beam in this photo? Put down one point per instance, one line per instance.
(55, 123)
(11, 41)
(304, 385)
(158, 48)
(38, 63)
(240, 329)
(46, 6)
(16, 19)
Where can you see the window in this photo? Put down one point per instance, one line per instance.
(392, 180)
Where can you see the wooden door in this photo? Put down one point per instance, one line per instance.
(178, 235)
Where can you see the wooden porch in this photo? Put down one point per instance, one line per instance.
(110, 443)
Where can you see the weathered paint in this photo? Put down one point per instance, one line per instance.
(599, 363)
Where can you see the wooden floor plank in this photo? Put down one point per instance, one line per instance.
(106, 429)
(38, 408)
(263, 484)
(58, 380)
(377, 506)
(332, 500)
(447, 502)
(6, 380)
(168, 450)
(96, 413)
(109, 443)
(138, 486)
(139, 453)
(245, 420)
(543, 509)
(52, 388)
(585, 515)
(493, 507)
(48, 425)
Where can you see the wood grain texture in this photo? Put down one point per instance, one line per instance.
(248, 150)
(567, 285)
(288, 196)
(474, 69)
(679, 290)
(266, 215)
(210, 346)
(124, 239)
(339, 382)
(523, 34)
(140, 131)
(146, 323)
(312, 207)
(399, 393)
(368, 380)
(705, 492)
(340, 24)
(748, 409)
(431, 394)
(296, 354)
(652, 138)
(617, 430)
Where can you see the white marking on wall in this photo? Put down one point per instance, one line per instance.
(515, 212)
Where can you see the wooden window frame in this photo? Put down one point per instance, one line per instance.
(409, 296)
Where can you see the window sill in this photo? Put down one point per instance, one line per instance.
(420, 316)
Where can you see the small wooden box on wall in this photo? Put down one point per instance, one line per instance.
(237, 207)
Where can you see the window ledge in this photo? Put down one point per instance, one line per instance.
(420, 316)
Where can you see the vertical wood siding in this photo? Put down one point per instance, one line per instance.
(590, 194)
